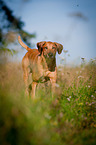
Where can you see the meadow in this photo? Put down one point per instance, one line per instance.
(67, 119)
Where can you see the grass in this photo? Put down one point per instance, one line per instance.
(68, 118)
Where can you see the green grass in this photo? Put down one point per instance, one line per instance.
(68, 118)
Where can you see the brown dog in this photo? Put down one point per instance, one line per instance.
(41, 63)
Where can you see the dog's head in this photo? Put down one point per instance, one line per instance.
(49, 48)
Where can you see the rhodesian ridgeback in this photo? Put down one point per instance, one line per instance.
(41, 63)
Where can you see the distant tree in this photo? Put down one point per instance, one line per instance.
(10, 26)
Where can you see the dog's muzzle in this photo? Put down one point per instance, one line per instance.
(50, 54)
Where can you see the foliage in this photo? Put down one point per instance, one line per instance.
(68, 118)
(10, 27)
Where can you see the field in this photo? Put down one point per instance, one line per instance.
(67, 119)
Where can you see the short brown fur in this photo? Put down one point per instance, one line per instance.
(41, 63)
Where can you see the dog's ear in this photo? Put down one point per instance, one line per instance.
(40, 45)
(59, 47)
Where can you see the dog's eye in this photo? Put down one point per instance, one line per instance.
(53, 47)
(45, 48)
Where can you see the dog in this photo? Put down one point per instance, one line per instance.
(41, 63)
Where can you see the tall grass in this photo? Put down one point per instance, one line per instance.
(68, 118)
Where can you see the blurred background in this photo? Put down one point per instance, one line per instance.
(71, 23)
(70, 117)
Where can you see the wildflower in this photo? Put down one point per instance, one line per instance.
(90, 104)
(63, 59)
(88, 86)
(68, 99)
(65, 51)
(61, 114)
(72, 119)
(93, 60)
(95, 91)
(57, 85)
(59, 69)
(83, 61)
(83, 58)
(86, 103)
(92, 96)
(47, 116)
(93, 103)
(85, 118)
(80, 77)
(69, 96)
(62, 73)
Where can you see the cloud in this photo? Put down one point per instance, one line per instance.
(78, 15)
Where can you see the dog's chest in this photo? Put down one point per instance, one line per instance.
(40, 72)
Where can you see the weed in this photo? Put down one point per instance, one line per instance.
(68, 118)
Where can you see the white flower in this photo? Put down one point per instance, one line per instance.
(68, 99)
(65, 51)
(80, 77)
(92, 96)
(57, 85)
(83, 58)
(63, 59)
(90, 104)
(47, 116)
(69, 96)
(88, 86)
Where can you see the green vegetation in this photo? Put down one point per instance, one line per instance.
(68, 118)
(10, 27)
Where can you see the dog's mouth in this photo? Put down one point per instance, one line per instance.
(49, 55)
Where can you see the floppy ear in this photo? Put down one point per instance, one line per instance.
(59, 47)
(39, 45)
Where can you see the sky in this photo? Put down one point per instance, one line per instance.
(69, 22)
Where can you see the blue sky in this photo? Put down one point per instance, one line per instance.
(58, 20)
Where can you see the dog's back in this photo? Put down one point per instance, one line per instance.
(32, 55)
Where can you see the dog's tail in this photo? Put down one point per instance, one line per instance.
(22, 44)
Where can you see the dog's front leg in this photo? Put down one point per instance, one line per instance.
(53, 76)
(53, 82)
(33, 89)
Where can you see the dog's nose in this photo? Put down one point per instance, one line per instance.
(50, 54)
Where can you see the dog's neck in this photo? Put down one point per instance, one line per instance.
(51, 63)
